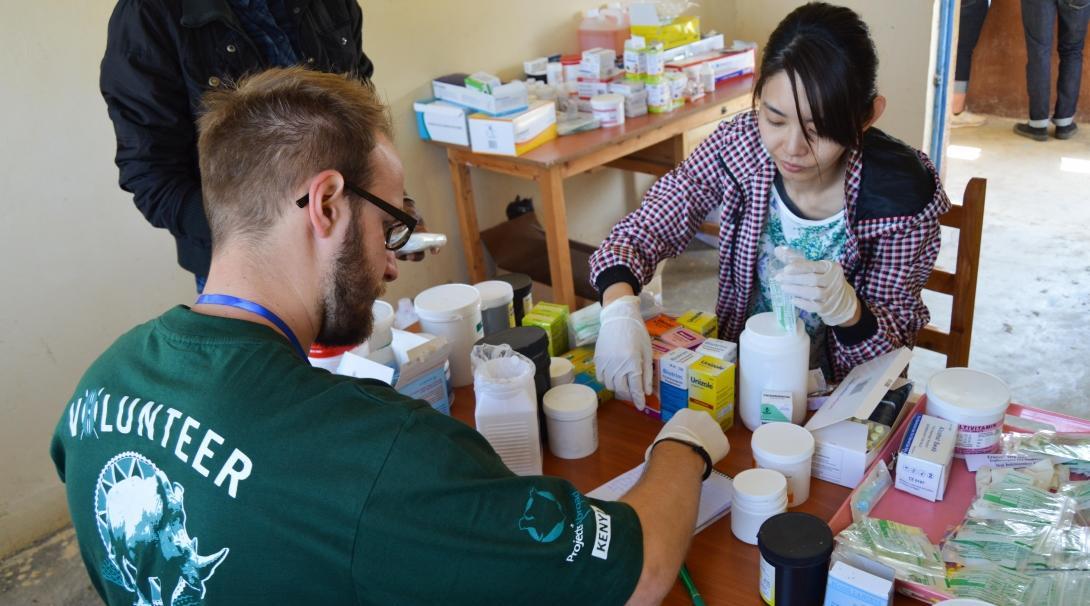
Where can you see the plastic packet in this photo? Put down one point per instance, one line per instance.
(870, 491)
(1023, 504)
(996, 586)
(1042, 474)
(783, 305)
(1062, 588)
(904, 548)
(1072, 447)
(583, 325)
(1080, 493)
(990, 543)
(1067, 548)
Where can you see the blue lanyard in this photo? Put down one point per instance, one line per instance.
(254, 308)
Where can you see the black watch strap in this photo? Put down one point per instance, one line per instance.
(698, 450)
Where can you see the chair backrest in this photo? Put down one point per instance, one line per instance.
(968, 218)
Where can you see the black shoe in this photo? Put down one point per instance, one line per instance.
(1065, 132)
(1037, 134)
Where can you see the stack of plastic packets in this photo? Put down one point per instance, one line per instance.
(782, 305)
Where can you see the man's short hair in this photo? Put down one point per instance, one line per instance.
(263, 138)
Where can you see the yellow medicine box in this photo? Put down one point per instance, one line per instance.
(711, 389)
(699, 322)
(553, 318)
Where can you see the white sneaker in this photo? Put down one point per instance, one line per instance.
(967, 118)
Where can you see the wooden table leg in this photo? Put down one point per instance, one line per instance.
(467, 217)
(556, 236)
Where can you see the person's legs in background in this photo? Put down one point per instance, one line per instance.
(971, 21)
(1038, 19)
(1073, 17)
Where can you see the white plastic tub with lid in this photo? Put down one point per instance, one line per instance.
(608, 109)
(975, 401)
(571, 415)
(561, 372)
(759, 494)
(770, 358)
(788, 449)
(453, 311)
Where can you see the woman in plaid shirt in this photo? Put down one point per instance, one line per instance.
(803, 178)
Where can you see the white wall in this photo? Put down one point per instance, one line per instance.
(902, 32)
(79, 265)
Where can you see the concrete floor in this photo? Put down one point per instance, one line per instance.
(1033, 288)
(1033, 302)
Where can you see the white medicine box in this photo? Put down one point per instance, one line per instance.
(923, 463)
(840, 444)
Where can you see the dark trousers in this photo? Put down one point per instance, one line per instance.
(1038, 19)
(970, 22)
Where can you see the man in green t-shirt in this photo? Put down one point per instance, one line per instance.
(304, 487)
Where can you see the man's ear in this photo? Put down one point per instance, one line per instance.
(327, 205)
(878, 109)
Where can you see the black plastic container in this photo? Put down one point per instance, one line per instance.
(522, 285)
(795, 550)
(533, 343)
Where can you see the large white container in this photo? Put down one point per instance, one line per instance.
(975, 401)
(769, 358)
(788, 449)
(506, 412)
(759, 494)
(453, 311)
(571, 415)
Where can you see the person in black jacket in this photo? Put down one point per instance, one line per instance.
(162, 55)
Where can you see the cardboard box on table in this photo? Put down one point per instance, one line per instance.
(840, 452)
(421, 371)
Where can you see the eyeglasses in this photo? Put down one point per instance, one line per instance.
(397, 234)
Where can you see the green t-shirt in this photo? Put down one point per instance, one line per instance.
(305, 487)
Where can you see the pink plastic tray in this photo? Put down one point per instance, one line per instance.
(937, 518)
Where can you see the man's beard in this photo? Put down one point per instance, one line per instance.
(347, 318)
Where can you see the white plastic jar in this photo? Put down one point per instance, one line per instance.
(759, 494)
(608, 109)
(506, 412)
(975, 401)
(571, 415)
(771, 359)
(788, 449)
(453, 311)
(561, 372)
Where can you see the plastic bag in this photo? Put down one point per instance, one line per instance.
(1065, 447)
(1042, 474)
(583, 325)
(904, 548)
(1062, 588)
(991, 543)
(1023, 504)
(996, 586)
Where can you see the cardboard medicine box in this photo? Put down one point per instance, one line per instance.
(711, 389)
(674, 381)
(699, 322)
(923, 463)
(658, 325)
(840, 444)
(718, 348)
(553, 319)
(513, 134)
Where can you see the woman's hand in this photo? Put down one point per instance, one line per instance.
(818, 287)
(622, 357)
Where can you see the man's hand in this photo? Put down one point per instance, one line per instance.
(409, 206)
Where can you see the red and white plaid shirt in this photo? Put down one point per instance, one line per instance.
(888, 257)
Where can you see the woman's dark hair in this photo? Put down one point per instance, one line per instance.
(829, 48)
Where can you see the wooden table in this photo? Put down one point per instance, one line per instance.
(723, 568)
(652, 144)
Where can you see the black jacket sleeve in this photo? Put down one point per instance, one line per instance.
(145, 92)
(364, 68)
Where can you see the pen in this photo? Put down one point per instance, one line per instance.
(687, 580)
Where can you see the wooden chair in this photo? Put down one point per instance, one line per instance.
(968, 219)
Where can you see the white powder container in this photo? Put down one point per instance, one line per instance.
(759, 494)
(571, 416)
(788, 449)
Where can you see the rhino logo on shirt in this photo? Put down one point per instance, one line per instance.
(142, 522)
(542, 518)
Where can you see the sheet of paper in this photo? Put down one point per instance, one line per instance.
(715, 495)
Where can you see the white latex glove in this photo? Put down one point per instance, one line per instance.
(817, 286)
(622, 357)
(694, 427)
